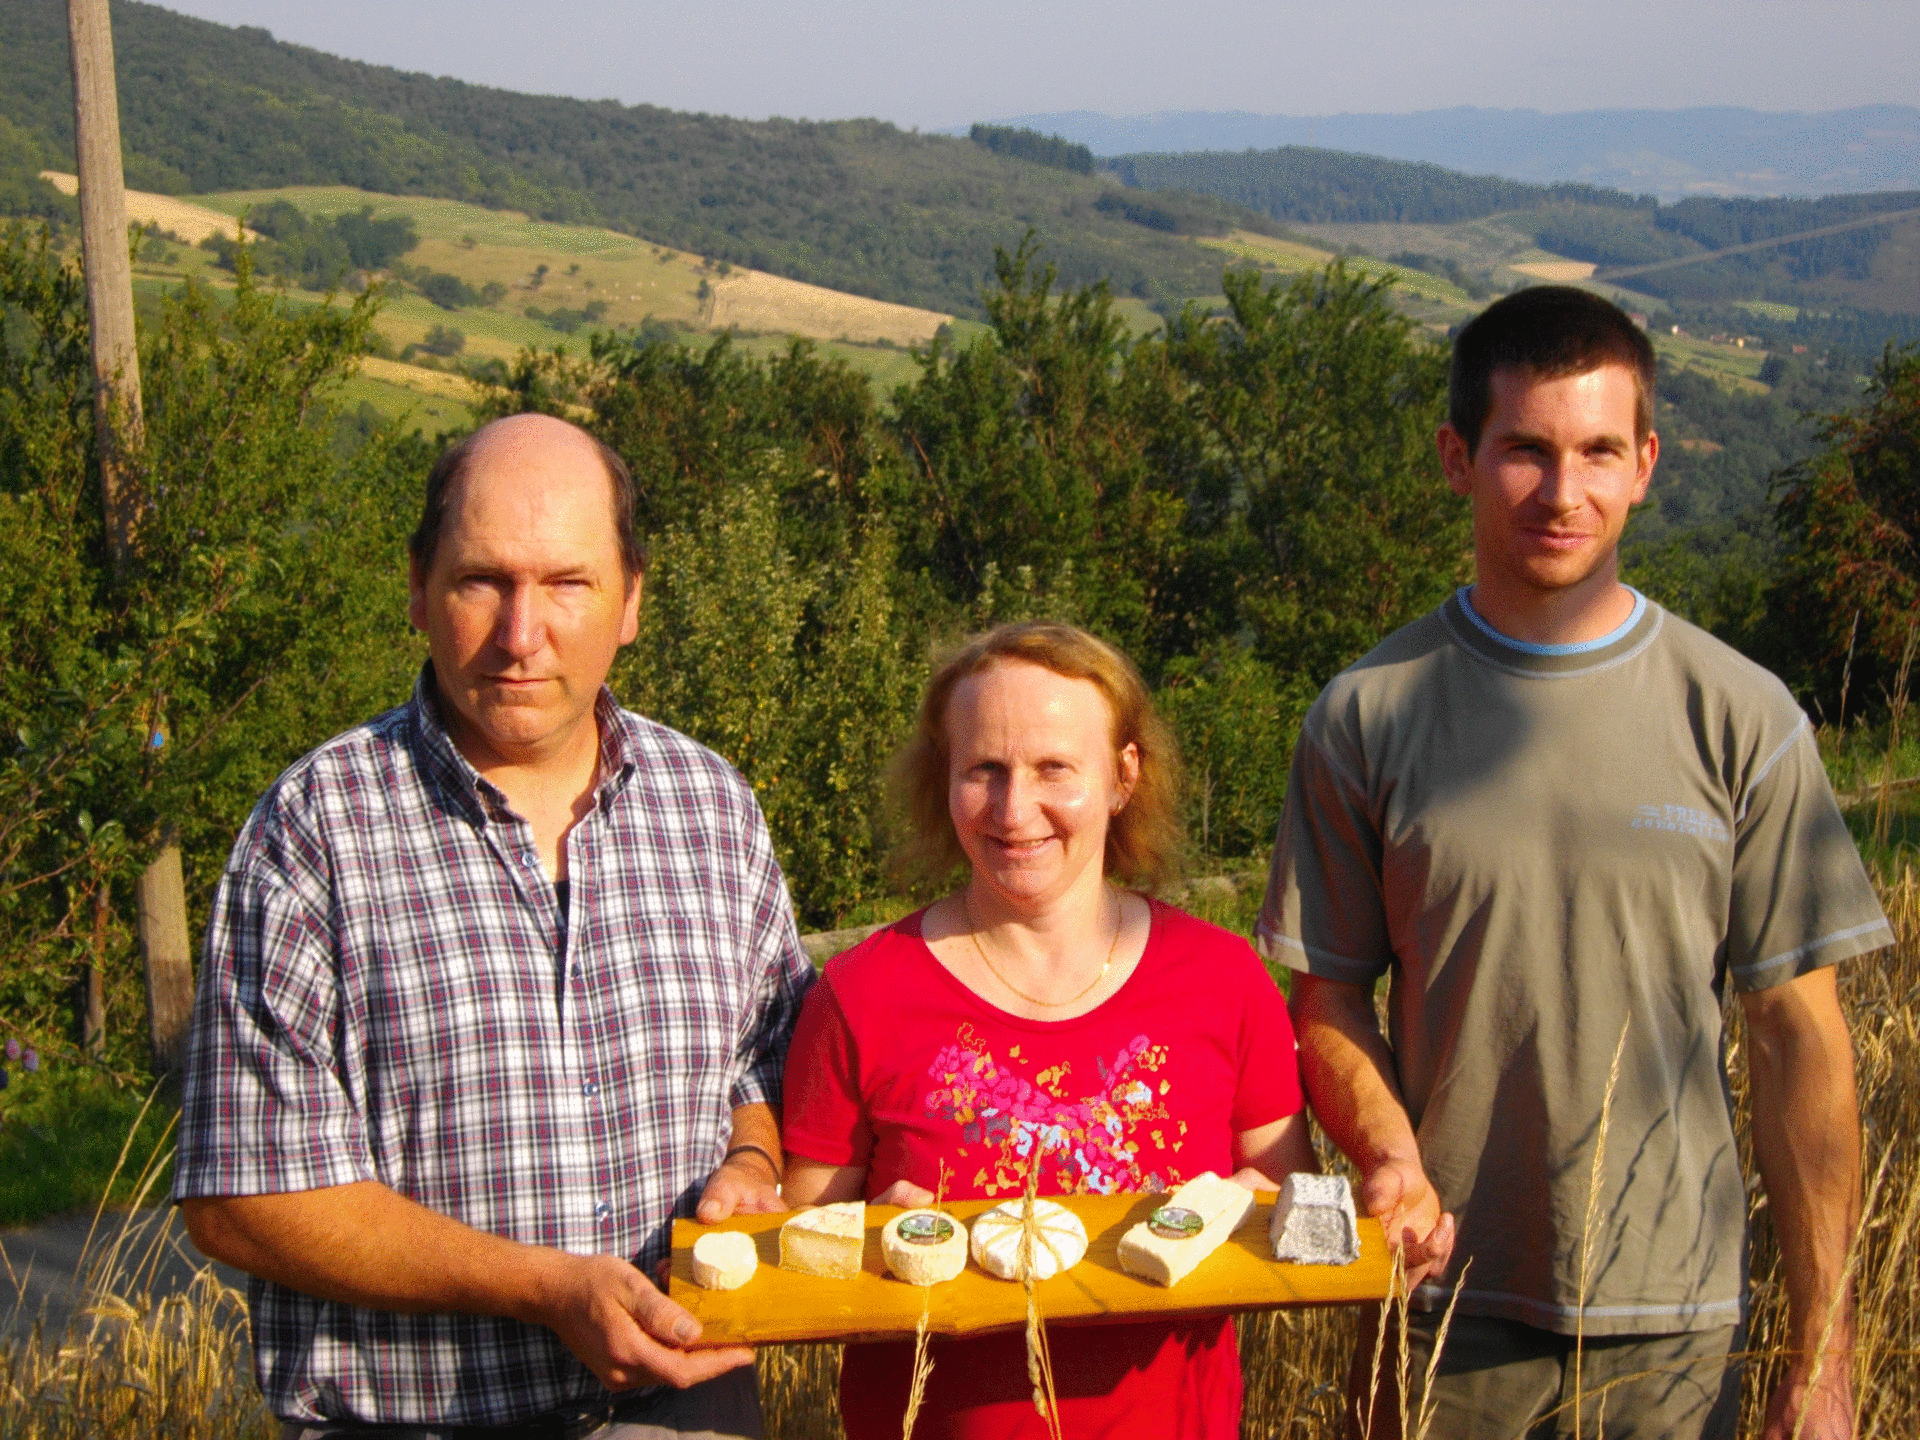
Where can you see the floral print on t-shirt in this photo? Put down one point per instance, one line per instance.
(1090, 1144)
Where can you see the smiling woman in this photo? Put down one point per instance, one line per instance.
(1043, 1018)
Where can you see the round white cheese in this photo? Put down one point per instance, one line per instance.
(924, 1247)
(1060, 1241)
(724, 1260)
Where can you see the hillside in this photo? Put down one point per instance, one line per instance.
(858, 206)
(1868, 266)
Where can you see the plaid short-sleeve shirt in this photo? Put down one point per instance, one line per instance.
(391, 991)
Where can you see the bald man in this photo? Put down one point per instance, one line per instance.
(495, 986)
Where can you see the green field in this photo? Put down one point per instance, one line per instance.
(540, 265)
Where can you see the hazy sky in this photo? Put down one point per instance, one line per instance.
(948, 63)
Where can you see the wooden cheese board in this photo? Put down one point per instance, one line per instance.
(778, 1306)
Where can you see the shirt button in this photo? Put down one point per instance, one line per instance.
(590, 1089)
(603, 1212)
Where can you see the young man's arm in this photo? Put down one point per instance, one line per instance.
(1348, 1071)
(1806, 1139)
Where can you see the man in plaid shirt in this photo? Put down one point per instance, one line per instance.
(495, 986)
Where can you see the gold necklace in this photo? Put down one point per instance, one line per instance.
(973, 933)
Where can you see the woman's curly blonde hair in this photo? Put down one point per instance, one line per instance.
(1143, 840)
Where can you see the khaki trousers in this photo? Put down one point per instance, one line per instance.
(1501, 1380)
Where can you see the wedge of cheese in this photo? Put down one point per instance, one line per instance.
(827, 1241)
(1166, 1253)
(1059, 1242)
(724, 1260)
(1313, 1221)
(924, 1247)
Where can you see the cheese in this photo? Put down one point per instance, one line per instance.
(828, 1241)
(724, 1260)
(924, 1247)
(1313, 1221)
(1060, 1244)
(1219, 1206)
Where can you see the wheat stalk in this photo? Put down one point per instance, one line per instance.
(922, 1357)
(1039, 1360)
(1593, 1210)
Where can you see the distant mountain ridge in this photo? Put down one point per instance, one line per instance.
(1674, 154)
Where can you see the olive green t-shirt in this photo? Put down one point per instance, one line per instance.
(1543, 846)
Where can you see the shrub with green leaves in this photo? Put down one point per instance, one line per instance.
(260, 608)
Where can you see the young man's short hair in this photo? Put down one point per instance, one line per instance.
(1547, 331)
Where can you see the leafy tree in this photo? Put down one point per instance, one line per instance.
(797, 674)
(444, 340)
(449, 292)
(1852, 517)
(375, 244)
(260, 609)
(1302, 447)
(1031, 449)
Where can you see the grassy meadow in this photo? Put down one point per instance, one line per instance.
(128, 1364)
(545, 267)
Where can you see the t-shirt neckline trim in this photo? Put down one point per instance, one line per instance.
(1529, 647)
(1550, 662)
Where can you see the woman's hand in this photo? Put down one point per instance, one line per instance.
(905, 1194)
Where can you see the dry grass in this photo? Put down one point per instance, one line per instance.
(129, 1364)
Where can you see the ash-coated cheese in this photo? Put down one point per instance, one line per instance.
(724, 1260)
(1220, 1206)
(924, 1247)
(1059, 1244)
(827, 1241)
(1313, 1221)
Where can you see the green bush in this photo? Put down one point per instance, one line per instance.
(259, 610)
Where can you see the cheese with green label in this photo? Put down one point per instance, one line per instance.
(924, 1247)
(1220, 1206)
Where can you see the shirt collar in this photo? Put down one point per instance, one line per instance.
(482, 801)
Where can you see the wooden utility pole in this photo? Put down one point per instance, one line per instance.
(119, 435)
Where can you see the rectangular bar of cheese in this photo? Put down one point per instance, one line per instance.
(827, 1241)
(1220, 1204)
(1313, 1221)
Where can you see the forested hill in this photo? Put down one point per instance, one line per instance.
(857, 205)
(1298, 183)
(1875, 265)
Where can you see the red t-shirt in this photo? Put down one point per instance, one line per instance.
(900, 1068)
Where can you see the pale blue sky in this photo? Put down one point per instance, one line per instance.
(937, 65)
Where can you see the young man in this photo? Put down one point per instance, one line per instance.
(1560, 819)
(495, 986)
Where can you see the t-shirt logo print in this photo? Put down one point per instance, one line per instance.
(1090, 1139)
(1682, 820)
